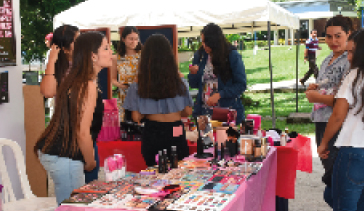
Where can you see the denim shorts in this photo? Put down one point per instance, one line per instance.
(67, 174)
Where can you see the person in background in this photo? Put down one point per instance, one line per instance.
(125, 65)
(312, 45)
(347, 188)
(47, 41)
(161, 97)
(217, 64)
(59, 60)
(337, 30)
(65, 148)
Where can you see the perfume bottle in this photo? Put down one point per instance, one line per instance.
(161, 162)
(174, 157)
(165, 155)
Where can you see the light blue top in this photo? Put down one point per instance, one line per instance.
(150, 106)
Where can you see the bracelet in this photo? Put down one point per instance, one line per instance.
(49, 74)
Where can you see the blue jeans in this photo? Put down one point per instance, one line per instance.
(67, 174)
(347, 190)
(94, 174)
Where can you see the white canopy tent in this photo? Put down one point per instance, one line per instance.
(234, 16)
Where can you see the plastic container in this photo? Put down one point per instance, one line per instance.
(114, 167)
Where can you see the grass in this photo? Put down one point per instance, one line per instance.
(304, 129)
(285, 103)
(283, 64)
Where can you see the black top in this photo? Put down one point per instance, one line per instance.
(56, 147)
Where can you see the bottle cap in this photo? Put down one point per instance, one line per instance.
(174, 148)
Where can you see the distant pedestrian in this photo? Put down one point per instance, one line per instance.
(312, 45)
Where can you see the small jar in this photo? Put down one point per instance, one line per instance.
(264, 147)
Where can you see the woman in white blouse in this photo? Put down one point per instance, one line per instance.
(348, 113)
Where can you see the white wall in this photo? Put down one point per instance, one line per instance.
(12, 113)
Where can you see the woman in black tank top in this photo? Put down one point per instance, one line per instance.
(66, 146)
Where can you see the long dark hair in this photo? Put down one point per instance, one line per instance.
(63, 36)
(220, 47)
(358, 62)
(71, 95)
(345, 22)
(121, 47)
(158, 76)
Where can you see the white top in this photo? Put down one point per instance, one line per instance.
(352, 131)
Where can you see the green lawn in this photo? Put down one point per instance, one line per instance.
(283, 64)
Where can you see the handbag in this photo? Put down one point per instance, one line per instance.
(220, 114)
(224, 114)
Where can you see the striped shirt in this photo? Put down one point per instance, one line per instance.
(312, 45)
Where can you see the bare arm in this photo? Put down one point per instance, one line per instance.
(137, 116)
(314, 96)
(187, 111)
(114, 74)
(84, 138)
(48, 86)
(335, 122)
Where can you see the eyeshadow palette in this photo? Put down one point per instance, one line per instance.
(82, 198)
(187, 186)
(139, 203)
(97, 187)
(202, 201)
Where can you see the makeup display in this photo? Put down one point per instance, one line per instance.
(200, 188)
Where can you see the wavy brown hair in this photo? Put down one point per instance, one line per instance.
(220, 47)
(345, 22)
(71, 96)
(63, 37)
(358, 62)
(158, 76)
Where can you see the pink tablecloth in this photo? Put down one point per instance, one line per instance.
(256, 194)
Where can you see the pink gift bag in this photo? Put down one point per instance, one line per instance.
(110, 130)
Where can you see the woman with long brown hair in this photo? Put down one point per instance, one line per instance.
(66, 146)
(161, 97)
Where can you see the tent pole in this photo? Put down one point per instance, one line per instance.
(271, 79)
(297, 51)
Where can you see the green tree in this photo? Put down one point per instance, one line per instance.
(36, 22)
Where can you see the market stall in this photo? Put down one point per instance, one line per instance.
(255, 192)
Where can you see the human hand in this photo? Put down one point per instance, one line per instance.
(312, 96)
(213, 100)
(323, 151)
(90, 166)
(181, 75)
(304, 61)
(193, 69)
(312, 87)
(124, 86)
(53, 54)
